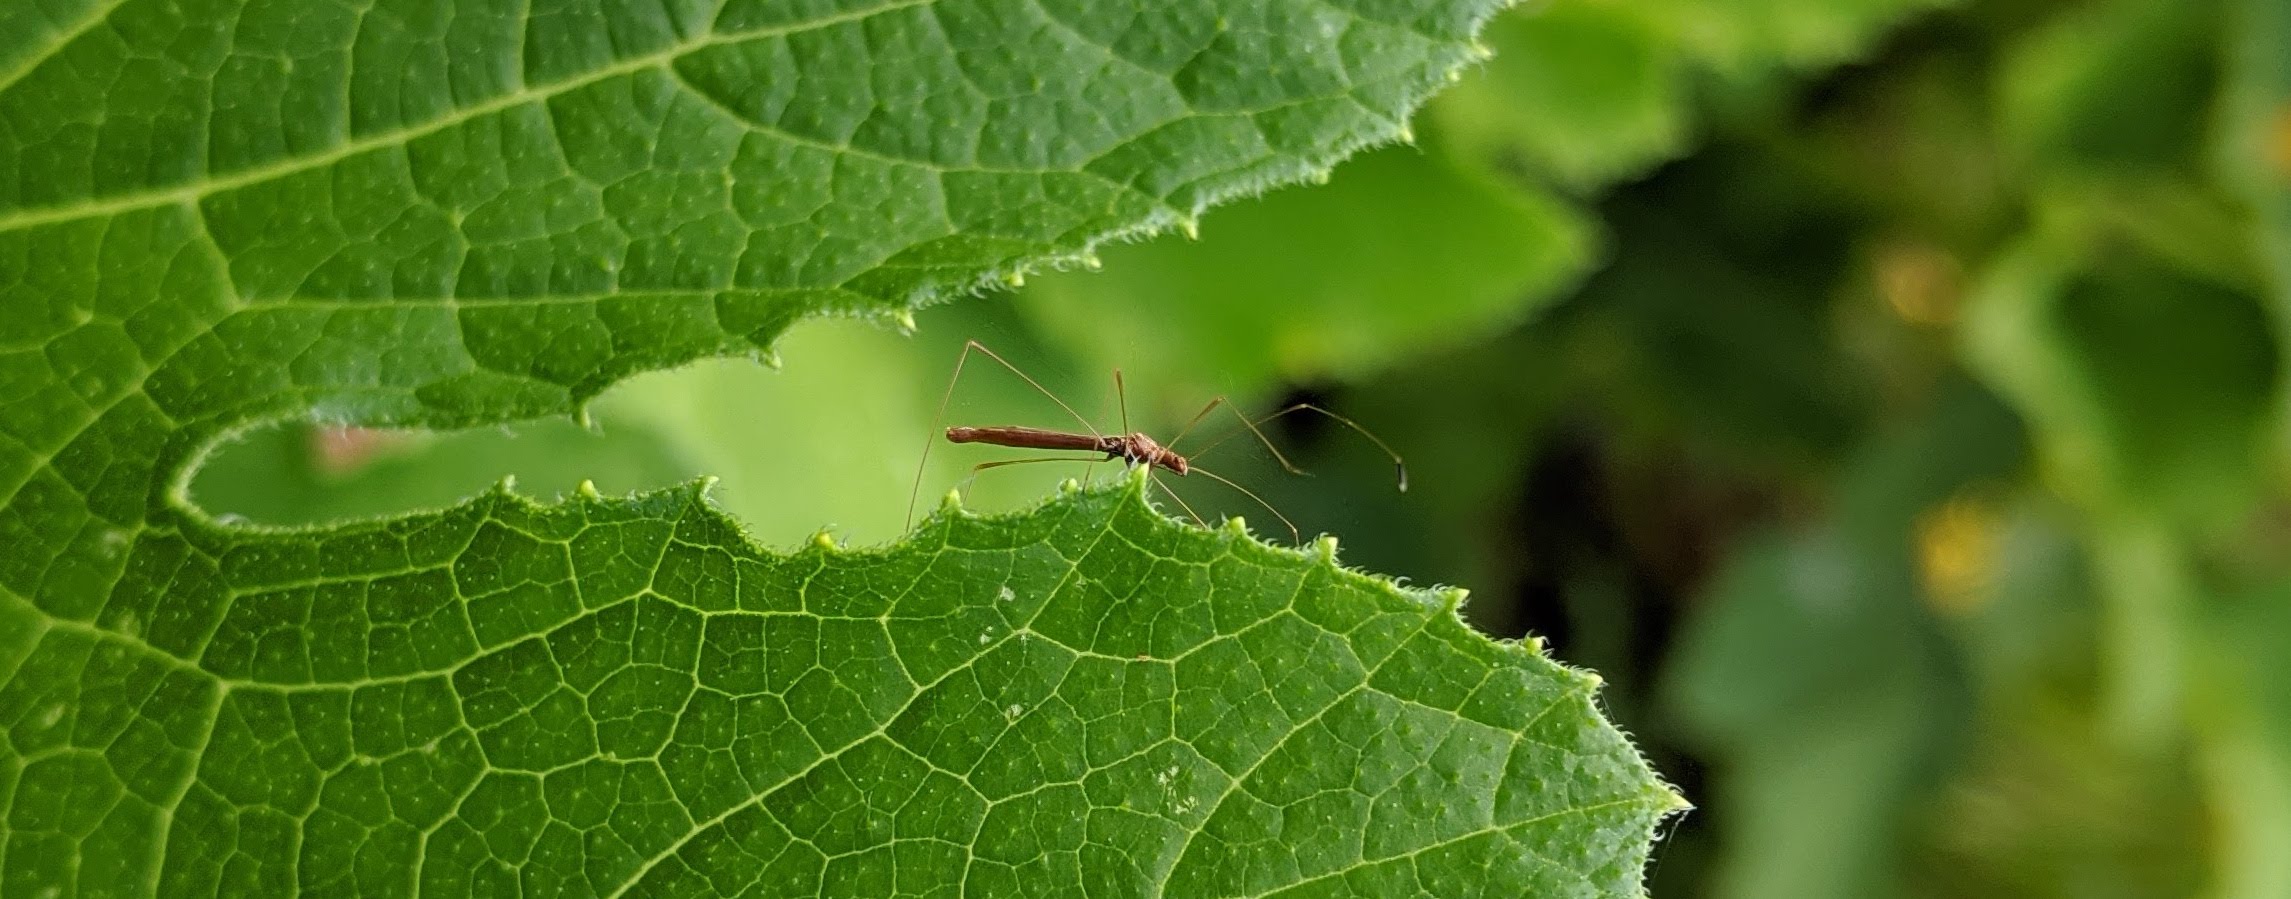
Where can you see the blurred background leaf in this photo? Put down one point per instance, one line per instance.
(1887, 396)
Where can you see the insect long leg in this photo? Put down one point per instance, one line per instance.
(939, 419)
(1294, 535)
(1122, 396)
(1399, 467)
(1181, 503)
(983, 466)
(1197, 417)
(1286, 465)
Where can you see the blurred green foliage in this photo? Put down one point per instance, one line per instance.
(1886, 396)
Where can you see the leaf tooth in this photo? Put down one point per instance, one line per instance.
(1092, 262)
(825, 541)
(1326, 546)
(1015, 279)
(952, 503)
(905, 319)
(587, 489)
(1191, 226)
(1237, 526)
(1069, 485)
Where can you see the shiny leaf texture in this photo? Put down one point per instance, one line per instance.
(625, 697)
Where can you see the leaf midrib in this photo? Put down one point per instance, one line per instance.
(61, 38)
(189, 193)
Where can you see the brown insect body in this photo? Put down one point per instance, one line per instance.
(1134, 448)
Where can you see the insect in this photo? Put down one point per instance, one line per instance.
(1133, 448)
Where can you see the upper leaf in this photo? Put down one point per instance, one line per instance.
(218, 212)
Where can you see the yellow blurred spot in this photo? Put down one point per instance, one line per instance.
(2279, 144)
(1957, 552)
(1920, 281)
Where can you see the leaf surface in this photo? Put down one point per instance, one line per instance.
(625, 697)
(215, 214)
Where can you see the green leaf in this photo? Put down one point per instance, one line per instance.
(1322, 283)
(2151, 381)
(1084, 697)
(1754, 38)
(1582, 93)
(224, 213)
